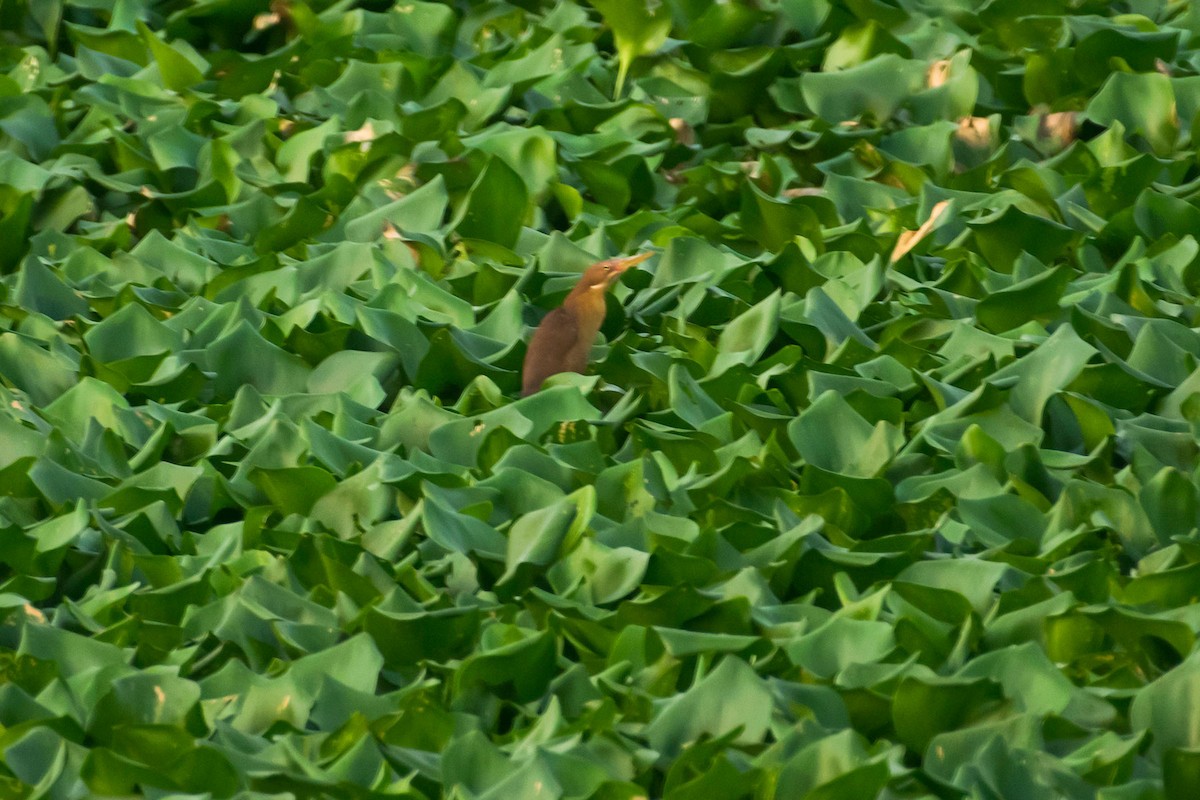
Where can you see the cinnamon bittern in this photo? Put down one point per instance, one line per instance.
(562, 342)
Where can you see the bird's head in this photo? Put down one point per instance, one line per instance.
(603, 274)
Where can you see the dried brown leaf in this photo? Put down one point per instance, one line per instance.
(1058, 125)
(804, 191)
(684, 133)
(938, 73)
(974, 132)
(909, 239)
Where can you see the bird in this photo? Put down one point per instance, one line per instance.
(562, 341)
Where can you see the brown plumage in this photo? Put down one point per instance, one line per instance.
(562, 342)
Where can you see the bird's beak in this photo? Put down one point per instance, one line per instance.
(622, 264)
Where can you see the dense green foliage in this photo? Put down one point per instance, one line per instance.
(885, 482)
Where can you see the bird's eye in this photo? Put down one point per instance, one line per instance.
(608, 267)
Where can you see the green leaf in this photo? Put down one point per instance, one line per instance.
(34, 370)
(521, 664)
(40, 289)
(731, 698)
(1002, 235)
(179, 71)
(831, 767)
(1143, 104)
(852, 506)
(296, 154)
(243, 357)
(294, 490)
(875, 89)
(1031, 298)
(1037, 377)
(973, 579)
(639, 29)
(925, 707)
(745, 338)
(840, 643)
(411, 637)
(1181, 771)
(419, 212)
(774, 223)
(496, 205)
(1166, 709)
(132, 331)
(358, 374)
(537, 538)
(86, 402)
(831, 435)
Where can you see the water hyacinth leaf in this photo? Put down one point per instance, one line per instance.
(145, 699)
(496, 205)
(688, 399)
(731, 698)
(358, 374)
(538, 537)
(246, 358)
(131, 331)
(521, 666)
(410, 637)
(1036, 686)
(29, 121)
(881, 480)
(922, 708)
(972, 579)
(530, 64)
(421, 211)
(874, 89)
(607, 574)
(72, 653)
(40, 289)
(295, 156)
(1170, 502)
(1164, 708)
(1142, 104)
(1004, 234)
(178, 71)
(1006, 517)
(1141, 49)
(1038, 296)
(774, 223)
(460, 532)
(293, 490)
(1181, 770)
(33, 369)
(531, 153)
(690, 259)
(1038, 376)
(14, 227)
(952, 89)
(831, 435)
(744, 339)
(87, 401)
(638, 28)
(839, 643)
(833, 766)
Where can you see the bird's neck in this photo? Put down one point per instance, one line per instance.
(588, 307)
